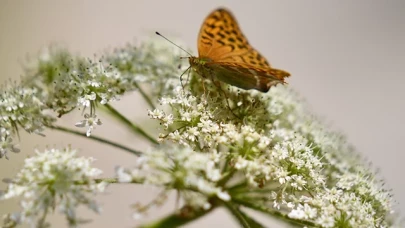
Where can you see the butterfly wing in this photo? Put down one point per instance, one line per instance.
(220, 35)
(235, 74)
(223, 44)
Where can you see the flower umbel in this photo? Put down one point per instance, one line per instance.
(278, 152)
(66, 82)
(20, 108)
(193, 175)
(54, 178)
(218, 146)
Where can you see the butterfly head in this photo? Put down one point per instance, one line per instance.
(199, 64)
(196, 61)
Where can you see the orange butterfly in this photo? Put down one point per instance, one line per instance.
(225, 55)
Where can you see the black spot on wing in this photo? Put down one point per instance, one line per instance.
(231, 46)
(244, 60)
(205, 37)
(206, 42)
(221, 42)
(211, 26)
(221, 35)
(215, 17)
(209, 34)
(242, 46)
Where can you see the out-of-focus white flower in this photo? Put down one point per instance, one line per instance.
(20, 108)
(189, 172)
(90, 121)
(154, 63)
(54, 179)
(62, 82)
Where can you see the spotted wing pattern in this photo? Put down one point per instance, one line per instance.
(223, 45)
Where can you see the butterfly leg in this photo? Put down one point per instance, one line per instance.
(181, 76)
(188, 77)
(203, 84)
(218, 85)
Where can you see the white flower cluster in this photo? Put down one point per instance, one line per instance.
(20, 107)
(62, 82)
(53, 178)
(285, 156)
(193, 175)
(65, 81)
(155, 63)
(264, 151)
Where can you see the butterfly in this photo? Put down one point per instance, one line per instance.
(224, 54)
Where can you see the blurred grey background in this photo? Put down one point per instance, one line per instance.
(346, 58)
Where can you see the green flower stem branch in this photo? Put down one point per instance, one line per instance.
(244, 220)
(145, 96)
(98, 139)
(274, 213)
(117, 115)
(177, 219)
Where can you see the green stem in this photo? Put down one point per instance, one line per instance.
(243, 189)
(252, 222)
(177, 219)
(67, 130)
(239, 186)
(107, 180)
(274, 213)
(236, 213)
(135, 128)
(226, 177)
(146, 97)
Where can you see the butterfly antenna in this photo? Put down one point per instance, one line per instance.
(157, 33)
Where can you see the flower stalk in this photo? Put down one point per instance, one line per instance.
(96, 138)
(126, 122)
